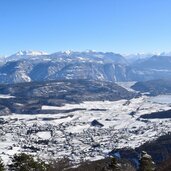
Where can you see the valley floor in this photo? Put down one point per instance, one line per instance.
(89, 132)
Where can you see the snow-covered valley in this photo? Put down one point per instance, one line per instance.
(90, 132)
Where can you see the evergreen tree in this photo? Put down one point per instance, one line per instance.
(146, 162)
(113, 166)
(24, 162)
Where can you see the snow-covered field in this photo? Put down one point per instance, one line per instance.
(165, 99)
(73, 135)
(3, 96)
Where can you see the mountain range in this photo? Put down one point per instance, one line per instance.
(27, 66)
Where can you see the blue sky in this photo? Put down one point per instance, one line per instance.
(122, 26)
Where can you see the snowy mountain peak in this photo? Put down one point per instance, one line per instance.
(165, 54)
(30, 53)
(68, 52)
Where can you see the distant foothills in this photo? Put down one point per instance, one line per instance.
(28, 66)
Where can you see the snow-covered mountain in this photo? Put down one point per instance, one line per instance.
(30, 53)
(25, 54)
(155, 67)
(138, 56)
(165, 54)
(26, 66)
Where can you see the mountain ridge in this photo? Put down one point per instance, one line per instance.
(27, 66)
